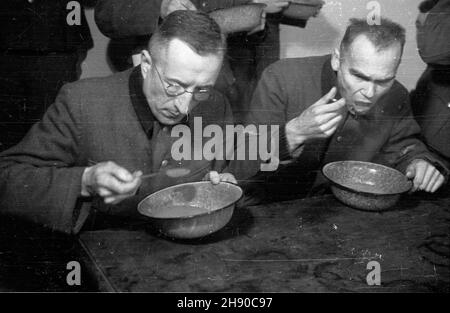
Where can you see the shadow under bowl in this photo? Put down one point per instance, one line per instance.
(191, 210)
(365, 185)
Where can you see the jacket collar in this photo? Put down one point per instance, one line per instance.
(139, 101)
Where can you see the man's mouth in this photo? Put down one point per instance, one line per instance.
(172, 116)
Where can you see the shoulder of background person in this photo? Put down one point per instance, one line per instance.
(396, 101)
(293, 71)
(433, 34)
(95, 90)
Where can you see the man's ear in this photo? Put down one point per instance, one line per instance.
(335, 59)
(146, 63)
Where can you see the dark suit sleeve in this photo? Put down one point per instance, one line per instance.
(268, 104)
(404, 144)
(267, 109)
(127, 18)
(39, 179)
(433, 36)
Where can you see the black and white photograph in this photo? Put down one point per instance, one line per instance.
(225, 153)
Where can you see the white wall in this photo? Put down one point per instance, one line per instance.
(95, 63)
(320, 36)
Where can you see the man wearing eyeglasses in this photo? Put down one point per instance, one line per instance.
(95, 142)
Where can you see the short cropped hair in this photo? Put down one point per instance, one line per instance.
(382, 35)
(195, 28)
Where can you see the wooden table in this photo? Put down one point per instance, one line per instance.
(310, 245)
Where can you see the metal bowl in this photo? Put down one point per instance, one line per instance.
(241, 18)
(366, 186)
(191, 210)
(302, 10)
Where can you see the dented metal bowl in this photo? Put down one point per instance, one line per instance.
(191, 210)
(302, 10)
(365, 185)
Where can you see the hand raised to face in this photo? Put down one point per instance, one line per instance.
(320, 120)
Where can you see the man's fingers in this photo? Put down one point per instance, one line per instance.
(119, 187)
(325, 118)
(104, 192)
(330, 125)
(433, 179)
(328, 97)
(418, 178)
(277, 7)
(214, 177)
(109, 181)
(188, 5)
(429, 171)
(336, 106)
(410, 172)
(227, 177)
(119, 172)
(439, 181)
(115, 199)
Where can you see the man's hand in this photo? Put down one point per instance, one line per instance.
(426, 176)
(261, 26)
(216, 178)
(273, 6)
(110, 181)
(320, 120)
(168, 6)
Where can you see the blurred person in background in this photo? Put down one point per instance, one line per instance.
(42, 44)
(431, 98)
(130, 23)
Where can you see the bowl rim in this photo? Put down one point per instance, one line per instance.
(188, 216)
(365, 192)
(293, 2)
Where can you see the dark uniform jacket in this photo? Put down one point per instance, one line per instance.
(41, 26)
(431, 99)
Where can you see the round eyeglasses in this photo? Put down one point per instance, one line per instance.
(199, 94)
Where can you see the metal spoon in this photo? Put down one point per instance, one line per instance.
(171, 172)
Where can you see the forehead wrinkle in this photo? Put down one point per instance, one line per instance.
(371, 77)
(373, 67)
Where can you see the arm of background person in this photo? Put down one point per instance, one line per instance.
(404, 145)
(266, 111)
(433, 34)
(39, 178)
(127, 18)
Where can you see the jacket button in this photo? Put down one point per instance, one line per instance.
(164, 163)
(339, 138)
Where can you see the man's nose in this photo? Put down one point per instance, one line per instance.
(182, 103)
(369, 90)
